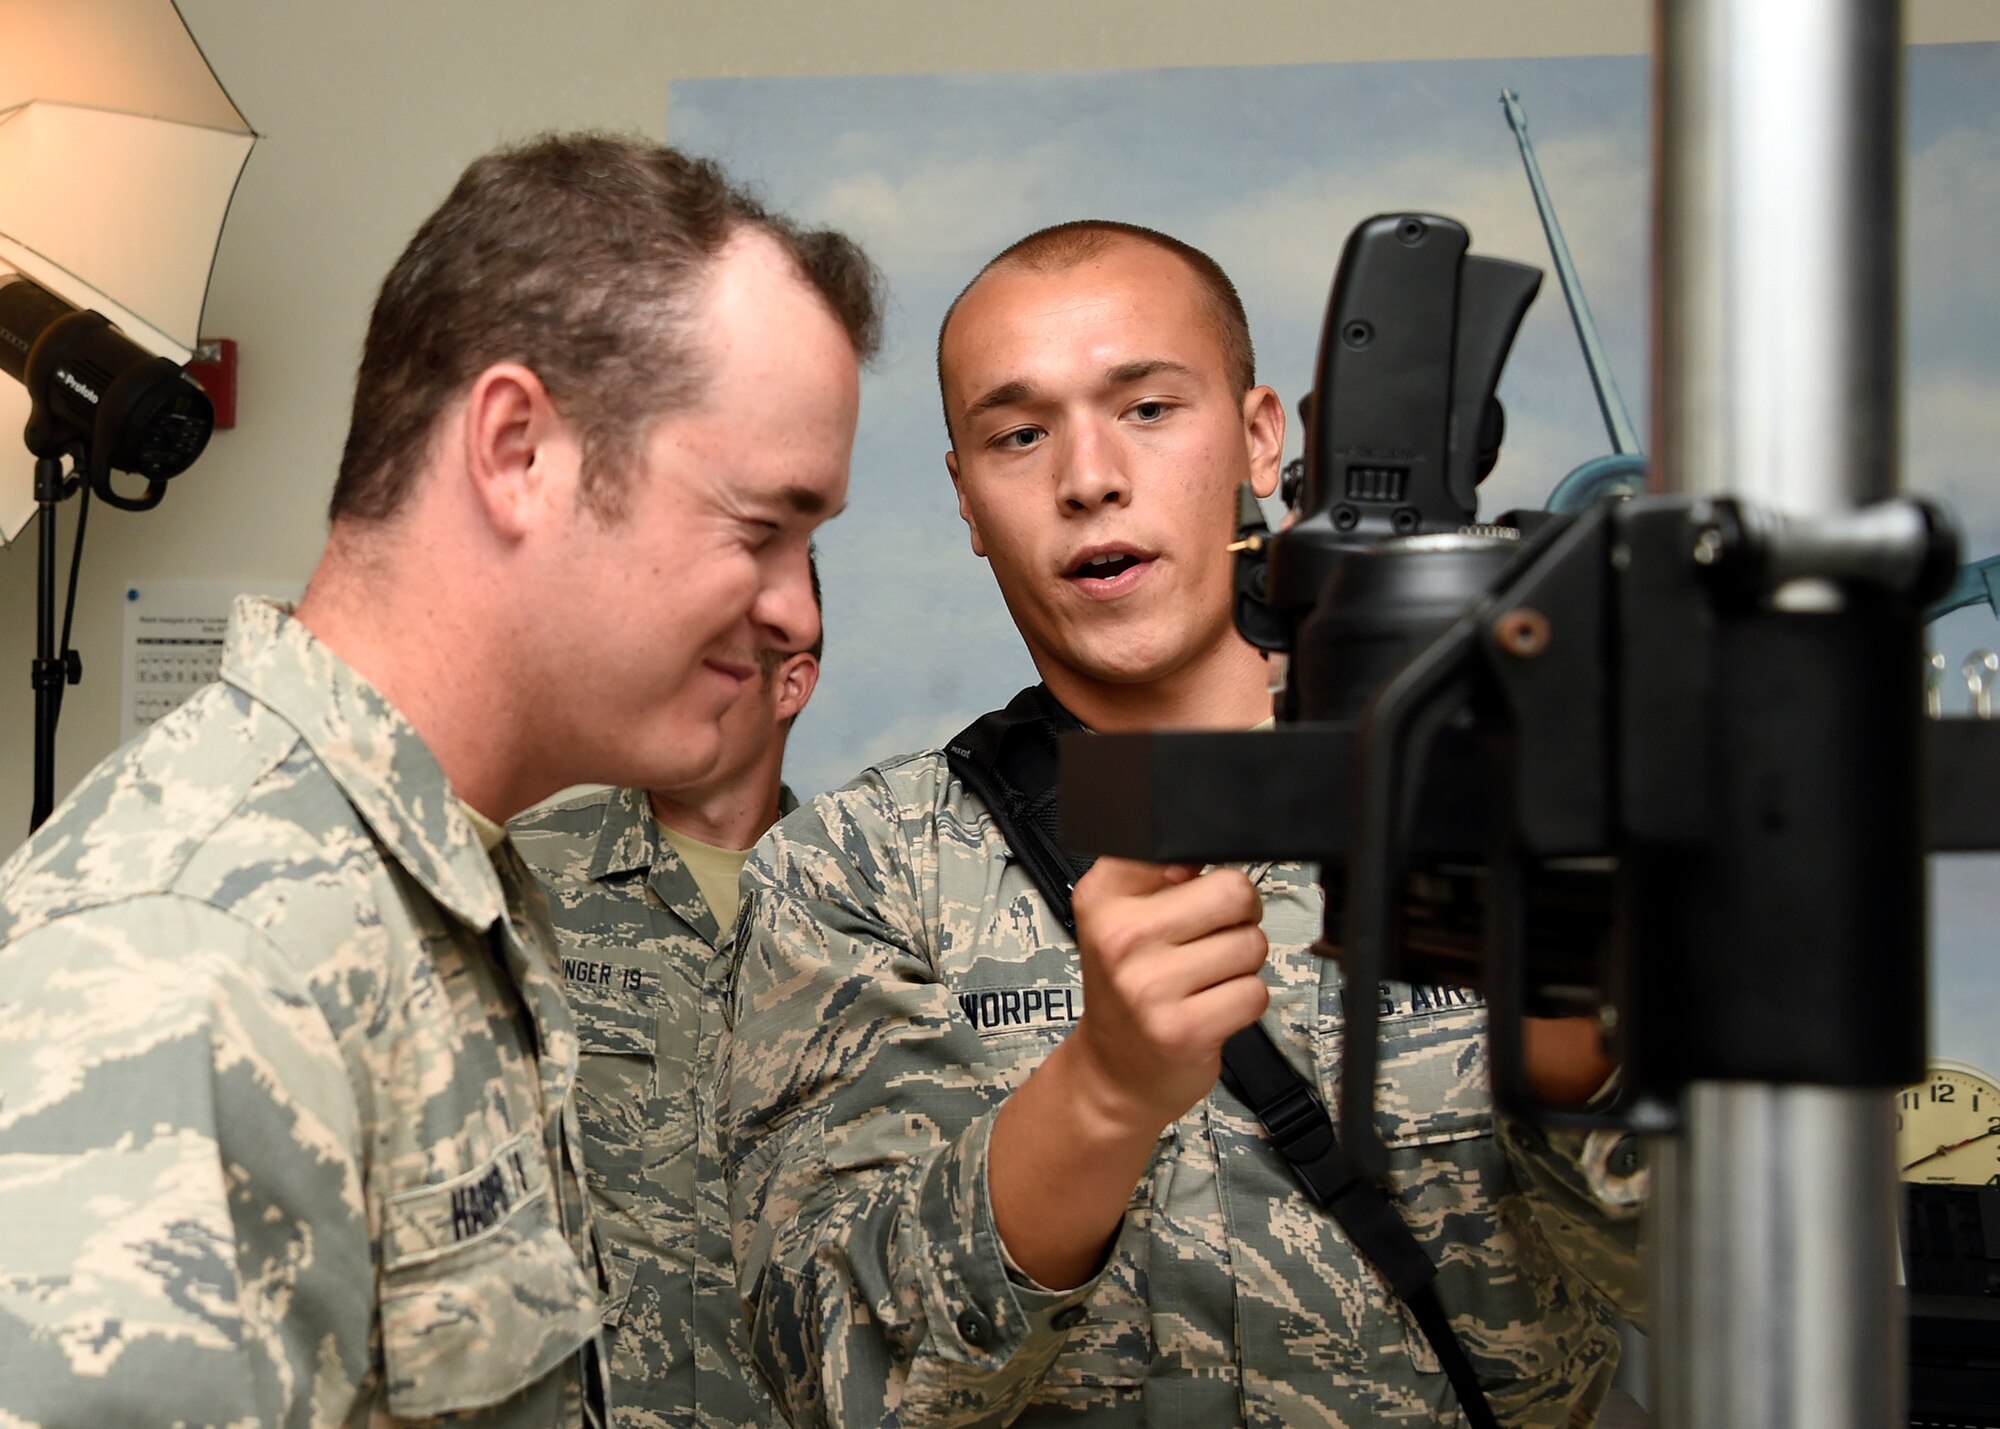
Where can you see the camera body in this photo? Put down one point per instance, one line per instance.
(1580, 762)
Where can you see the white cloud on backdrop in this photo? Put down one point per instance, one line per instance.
(1268, 170)
(922, 208)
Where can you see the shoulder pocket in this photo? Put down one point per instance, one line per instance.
(481, 1293)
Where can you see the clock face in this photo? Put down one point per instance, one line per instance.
(1948, 1128)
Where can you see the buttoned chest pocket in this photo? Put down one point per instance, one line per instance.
(473, 1264)
(615, 998)
(1432, 1081)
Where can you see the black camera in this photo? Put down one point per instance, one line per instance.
(1563, 759)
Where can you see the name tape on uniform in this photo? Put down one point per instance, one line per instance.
(1007, 1009)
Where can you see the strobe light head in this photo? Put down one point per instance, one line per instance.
(97, 396)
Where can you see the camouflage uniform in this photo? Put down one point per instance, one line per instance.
(647, 982)
(899, 975)
(285, 1123)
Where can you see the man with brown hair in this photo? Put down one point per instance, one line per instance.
(287, 1121)
(983, 1171)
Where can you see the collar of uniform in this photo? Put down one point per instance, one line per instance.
(383, 766)
(675, 885)
(627, 840)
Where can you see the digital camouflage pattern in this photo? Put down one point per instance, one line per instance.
(649, 988)
(286, 1135)
(899, 975)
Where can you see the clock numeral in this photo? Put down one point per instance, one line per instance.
(1911, 1099)
(1993, 1126)
(1943, 1092)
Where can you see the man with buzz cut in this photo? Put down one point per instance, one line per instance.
(642, 887)
(288, 1133)
(983, 1169)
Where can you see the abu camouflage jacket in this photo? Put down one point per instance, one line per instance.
(286, 1133)
(898, 975)
(649, 986)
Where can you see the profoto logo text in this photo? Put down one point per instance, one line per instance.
(77, 385)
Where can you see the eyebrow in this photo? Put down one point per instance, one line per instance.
(1007, 394)
(807, 502)
(1126, 373)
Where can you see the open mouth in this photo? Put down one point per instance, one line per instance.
(1107, 567)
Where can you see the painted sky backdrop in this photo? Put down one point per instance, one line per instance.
(1268, 169)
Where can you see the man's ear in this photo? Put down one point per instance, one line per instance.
(797, 677)
(964, 509)
(1264, 431)
(520, 457)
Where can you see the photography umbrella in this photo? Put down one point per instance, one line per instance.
(119, 151)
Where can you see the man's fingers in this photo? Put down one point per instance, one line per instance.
(1216, 1014)
(1169, 913)
(1184, 970)
(1129, 878)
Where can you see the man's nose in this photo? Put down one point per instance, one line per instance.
(1092, 472)
(785, 607)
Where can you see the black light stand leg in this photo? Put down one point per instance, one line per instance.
(49, 672)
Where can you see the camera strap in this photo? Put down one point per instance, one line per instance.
(1008, 758)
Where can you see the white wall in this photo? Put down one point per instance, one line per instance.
(369, 108)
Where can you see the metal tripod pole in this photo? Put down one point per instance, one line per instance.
(48, 672)
(1777, 136)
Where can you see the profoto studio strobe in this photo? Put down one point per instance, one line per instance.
(107, 404)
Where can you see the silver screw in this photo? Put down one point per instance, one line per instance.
(1934, 669)
(1980, 669)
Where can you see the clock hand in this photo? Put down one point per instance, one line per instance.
(1947, 1150)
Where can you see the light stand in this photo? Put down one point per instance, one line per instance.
(55, 667)
(104, 402)
(1777, 383)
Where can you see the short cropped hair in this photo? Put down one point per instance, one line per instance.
(1066, 245)
(583, 257)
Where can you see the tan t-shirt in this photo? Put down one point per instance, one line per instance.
(716, 873)
(489, 832)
